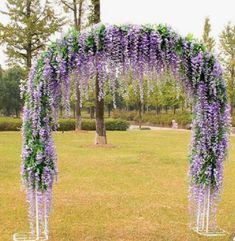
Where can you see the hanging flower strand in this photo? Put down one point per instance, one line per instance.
(114, 53)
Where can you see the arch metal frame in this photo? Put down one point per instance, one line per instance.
(110, 53)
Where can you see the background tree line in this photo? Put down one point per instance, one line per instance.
(32, 25)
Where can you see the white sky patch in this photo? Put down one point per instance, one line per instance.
(184, 16)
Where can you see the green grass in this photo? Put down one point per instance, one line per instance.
(133, 190)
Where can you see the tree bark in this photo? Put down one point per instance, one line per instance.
(78, 110)
(17, 113)
(75, 16)
(109, 110)
(231, 108)
(29, 38)
(96, 5)
(99, 104)
(77, 24)
(100, 137)
(174, 109)
(92, 112)
(232, 90)
(61, 111)
(29, 57)
(140, 114)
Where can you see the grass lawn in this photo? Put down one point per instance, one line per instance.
(133, 190)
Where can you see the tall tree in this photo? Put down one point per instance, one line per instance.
(95, 12)
(133, 99)
(10, 101)
(227, 46)
(1, 72)
(206, 38)
(29, 28)
(99, 103)
(76, 7)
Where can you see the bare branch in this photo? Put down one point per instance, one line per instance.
(37, 47)
(67, 5)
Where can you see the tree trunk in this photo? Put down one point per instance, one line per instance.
(61, 111)
(100, 137)
(17, 113)
(8, 111)
(109, 110)
(92, 112)
(29, 38)
(231, 102)
(78, 110)
(231, 108)
(29, 57)
(158, 110)
(232, 90)
(140, 115)
(99, 104)
(96, 6)
(77, 24)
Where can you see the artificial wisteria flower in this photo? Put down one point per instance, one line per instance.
(111, 53)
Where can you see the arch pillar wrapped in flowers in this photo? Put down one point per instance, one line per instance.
(111, 53)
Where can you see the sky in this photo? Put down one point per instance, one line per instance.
(184, 16)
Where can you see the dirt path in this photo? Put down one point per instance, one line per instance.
(155, 128)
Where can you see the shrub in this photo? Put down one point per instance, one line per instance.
(13, 124)
(120, 121)
(233, 120)
(110, 124)
(88, 125)
(125, 115)
(116, 125)
(10, 124)
(66, 125)
(151, 118)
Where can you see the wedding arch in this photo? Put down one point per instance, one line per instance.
(110, 53)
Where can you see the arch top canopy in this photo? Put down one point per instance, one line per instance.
(117, 55)
(129, 52)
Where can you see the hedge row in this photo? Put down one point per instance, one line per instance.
(120, 121)
(150, 118)
(13, 124)
(10, 124)
(163, 119)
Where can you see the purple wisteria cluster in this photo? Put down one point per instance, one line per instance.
(111, 53)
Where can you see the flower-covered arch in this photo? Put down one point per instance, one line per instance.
(110, 53)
